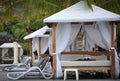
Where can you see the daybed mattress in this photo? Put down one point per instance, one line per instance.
(86, 63)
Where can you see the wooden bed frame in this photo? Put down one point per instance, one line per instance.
(88, 65)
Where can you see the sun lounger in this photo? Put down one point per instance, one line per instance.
(20, 66)
(43, 67)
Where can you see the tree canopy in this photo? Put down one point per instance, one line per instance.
(20, 17)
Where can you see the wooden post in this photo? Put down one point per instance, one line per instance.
(96, 47)
(112, 51)
(18, 54)
(39, 47)
(54, 48)
(15, 53)
(1, 60)
(31, 52)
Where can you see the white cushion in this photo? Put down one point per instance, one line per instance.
(86, 63)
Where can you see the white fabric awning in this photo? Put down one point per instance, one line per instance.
(38, 33)
(9, 45)
(80, 12)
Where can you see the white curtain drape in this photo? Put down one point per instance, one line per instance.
(88, 43)
(21, 52)
(105, 30)
(75, 29)
(50, 43)
(35, 45)
(4, 51)
(117, 66)
(65, 35)
(94, 36)
(44, 44)
(99, 33)
(63, 31)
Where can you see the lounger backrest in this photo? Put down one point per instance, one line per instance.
(23, 60)
(44, 62)
(27, 60)
(39, 62)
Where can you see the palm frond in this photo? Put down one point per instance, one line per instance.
(111, 5)
(89, 3)
(19, 33)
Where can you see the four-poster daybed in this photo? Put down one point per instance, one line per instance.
(80, 15)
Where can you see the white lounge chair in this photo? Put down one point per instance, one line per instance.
(20, 66)
(43, 67)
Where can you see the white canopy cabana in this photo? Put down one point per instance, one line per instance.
(38, 41)
(99, 26)
(6, 46)
(9, 45)
(80, 12)
(38, 33)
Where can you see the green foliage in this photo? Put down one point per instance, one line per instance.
(8, 26)
(118, 38)
(18, 33)
(6, 36)
(13, 31)
(111, 5)
(1, 27)
(20, 17)
(26, 48)
(89, 2)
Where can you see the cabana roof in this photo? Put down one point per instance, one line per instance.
(80, 12)
(39, 33)
(9, 45)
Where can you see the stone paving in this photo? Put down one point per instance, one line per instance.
(3, 77)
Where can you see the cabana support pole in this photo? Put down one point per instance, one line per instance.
(19, 55)
(39, 47)
(54, 48)
(112, 51)
(31, 52)
(15, 53)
